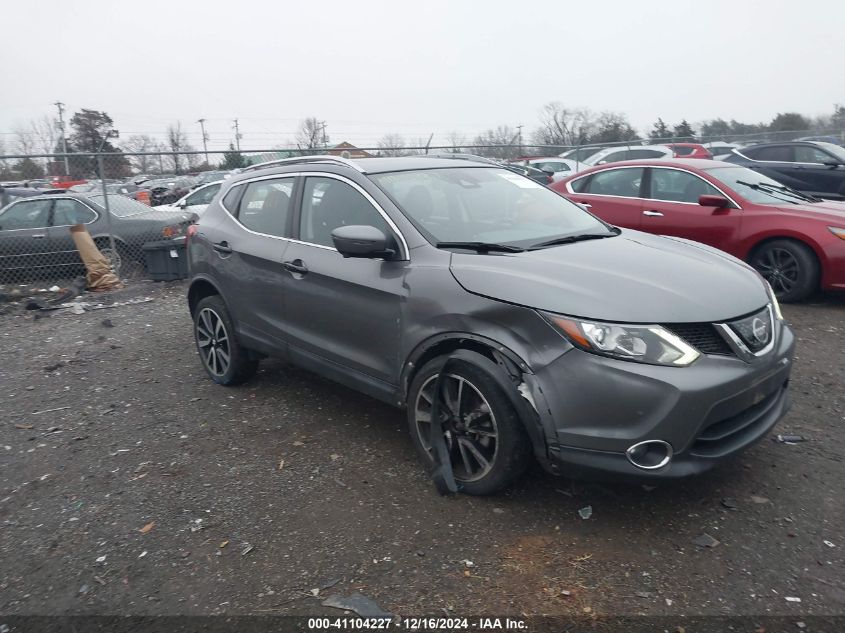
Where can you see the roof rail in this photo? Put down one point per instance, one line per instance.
(461, 156)
(337, 160)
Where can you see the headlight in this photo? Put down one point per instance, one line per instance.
(775, 304)
(838, 232)
(640, 343)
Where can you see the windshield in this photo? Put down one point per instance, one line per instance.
(836, 150)
(485, 205)
(734, 177)
(121, 206)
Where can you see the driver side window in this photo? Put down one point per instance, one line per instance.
(810, 154)
(328, 204)
(26, 215)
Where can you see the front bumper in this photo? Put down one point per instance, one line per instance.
(598, 407)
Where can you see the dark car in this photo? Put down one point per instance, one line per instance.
(508, 321)
(810, 167)
(10, 194)
(34, 235)
(166, 190)
(796, 241)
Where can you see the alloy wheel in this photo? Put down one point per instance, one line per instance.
(780, 268)
(469, 426)
(213, 342)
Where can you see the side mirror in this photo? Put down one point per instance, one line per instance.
(182, 203)
(361, 241)
(714, 201)
(548, 171)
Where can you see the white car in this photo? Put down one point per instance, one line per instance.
(630, 152)
(720, 149)
(559, 168)
(196, 201)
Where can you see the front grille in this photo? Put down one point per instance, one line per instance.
(702, 336)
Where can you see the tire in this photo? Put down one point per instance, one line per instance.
(118, 260)
(790, 267)
(216, 340)
(508, 454)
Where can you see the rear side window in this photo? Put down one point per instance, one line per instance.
(265, 206)
(614, 156)
(203, 196)
(68, 212)
(810, 154)
(648, 153)
(579, 186)
(230, 200)
(617, 182)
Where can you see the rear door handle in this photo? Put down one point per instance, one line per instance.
(221, 247)
(39, 236)
(586, 205)
(653, 214)
(296, 266)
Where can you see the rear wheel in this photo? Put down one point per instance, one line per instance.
(224, 359)
(487, 445)
(790, 267)
(118, 257)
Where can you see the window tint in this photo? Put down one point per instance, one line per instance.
(679, 186)
(328, 204)
(617, 182)
(67, 212)
(810, 154)
(265, 206)
(230, 200)
(121, 206)
(203, 196)
(779, 153)
(25, 215)
(681, 150)
(551, 166)
(648, 153)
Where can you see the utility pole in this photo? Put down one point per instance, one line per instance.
(519, 132)
(237, 135)
(325, 140)
(61, 107)
(204, 139)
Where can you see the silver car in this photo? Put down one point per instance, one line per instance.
(508, 322)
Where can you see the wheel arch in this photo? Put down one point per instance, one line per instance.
(200, 288)
(791, 237)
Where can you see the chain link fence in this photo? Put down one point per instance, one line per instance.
(133, 204)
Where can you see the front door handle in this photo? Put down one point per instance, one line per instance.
(222, 247)
(39, 236)
(653, 214)
(586, 205)
(296, 267)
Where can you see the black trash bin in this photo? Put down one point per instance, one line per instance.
(166, 260)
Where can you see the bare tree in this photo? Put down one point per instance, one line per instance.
(562, 126)
(45, 133)
(392, 145)
(177, 142)
(311, 134)
(499, 143)
(24, 142)
(140, 143)
(457, 141)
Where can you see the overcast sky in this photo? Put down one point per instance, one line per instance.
(414, 67)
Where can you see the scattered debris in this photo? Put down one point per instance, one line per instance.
(498, 511)
(142, 554)
(100, 580)
(281, 464)
(50, 410)
(25, 426)
(644, 594)
(315, 592)
(223, 544)
(792, 599)
(790, 439)
(246, 550)
(331, 583)
(586, 512)
(759, 500)
(730, 504)
(359, 603)
(106, 323)
(468, 563)
(101, 559)
(648, 488)
(84, 589)
(54, 366)
(705, 540)
(829, 543)
(196, 525)
(149, 526)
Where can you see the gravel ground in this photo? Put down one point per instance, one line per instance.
(130, 484)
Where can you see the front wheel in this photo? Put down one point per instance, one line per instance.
(488, 446)
(790, 267)
(224, 359)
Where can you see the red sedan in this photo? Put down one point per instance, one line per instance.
(796, 241)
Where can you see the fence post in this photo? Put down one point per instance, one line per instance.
(108, 211)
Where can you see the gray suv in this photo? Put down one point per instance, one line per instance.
(508, 321)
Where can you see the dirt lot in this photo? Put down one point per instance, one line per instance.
(130, 484)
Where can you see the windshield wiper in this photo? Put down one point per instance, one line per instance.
(482, 247)
(795, 192)
(570, 239)
(771, 190)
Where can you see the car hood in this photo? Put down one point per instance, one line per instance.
(830, 208)
(633, 277)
